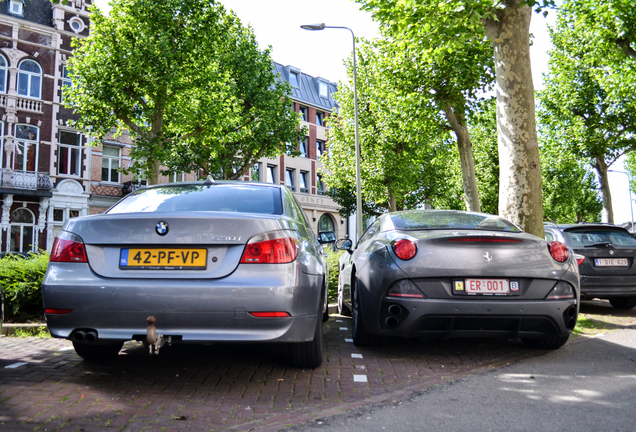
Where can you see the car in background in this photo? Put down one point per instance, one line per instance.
(192, 262)
(605, 255)
(1, 309)
(442, 273)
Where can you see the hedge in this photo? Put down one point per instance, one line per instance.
(21, 281)
(334, 273)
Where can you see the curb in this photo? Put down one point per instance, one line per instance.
(10, 329)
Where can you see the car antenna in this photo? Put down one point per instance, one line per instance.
(209, 181)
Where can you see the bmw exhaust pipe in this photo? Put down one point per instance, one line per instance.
(79, 336)
(90, 336)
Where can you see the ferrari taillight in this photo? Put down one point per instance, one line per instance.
(405, 249)
(68, 247)
(559, 251)
(272, 248)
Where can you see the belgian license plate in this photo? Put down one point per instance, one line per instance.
(487, 286)
(610, 262)
(163, 259)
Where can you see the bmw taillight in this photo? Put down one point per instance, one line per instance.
(68, 247)
(579, 258)
(559, 251)
(278, 247)
(405, 249)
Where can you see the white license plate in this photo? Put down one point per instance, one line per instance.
(610, 262)
(487, 286)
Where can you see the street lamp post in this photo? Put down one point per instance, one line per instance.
(359, 227)
(629, 189)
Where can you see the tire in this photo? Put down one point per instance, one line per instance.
(553, 342)
(98, 352)
(360, 335)
(325, 315)
(308, 355)
(623, 302)
(342, 308)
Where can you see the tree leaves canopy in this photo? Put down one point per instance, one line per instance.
(189, 83)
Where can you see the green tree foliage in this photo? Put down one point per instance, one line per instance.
(188, 81)
(587, 107)
(21, 281)
(403, 156)
(450, 26)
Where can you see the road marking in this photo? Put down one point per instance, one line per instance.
(354, 355)
(349, 340)
(66, 349)
(360, 378)
(339, 321)
(15, 365)
(343, 328)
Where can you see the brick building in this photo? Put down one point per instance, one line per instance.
(51, 172)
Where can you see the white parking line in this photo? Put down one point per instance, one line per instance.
(339, 321)
(359, 378)
(349, 340)
(66, 349)
(15, 365)
(343, 328)
(354, 355)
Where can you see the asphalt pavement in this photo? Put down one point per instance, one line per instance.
(587, 386)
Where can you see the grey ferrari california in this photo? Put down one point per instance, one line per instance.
(190, 262)
(442, 273)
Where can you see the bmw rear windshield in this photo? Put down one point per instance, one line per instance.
(220, 197)
(598, 237)
(444, 219)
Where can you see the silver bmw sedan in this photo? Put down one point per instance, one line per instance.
(441, 273)
(190, 262)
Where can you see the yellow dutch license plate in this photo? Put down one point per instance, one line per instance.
(163, 259)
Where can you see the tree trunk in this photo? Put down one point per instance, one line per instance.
(392, 201)
(465, 146)
(520, 197)
(153, 176)
(607, 215)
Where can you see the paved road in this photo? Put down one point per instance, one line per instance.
(589, 386)
(44, 385)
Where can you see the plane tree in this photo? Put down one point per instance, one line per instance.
(188, 81)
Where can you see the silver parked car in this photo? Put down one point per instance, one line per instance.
(441, 273)
(190, 262)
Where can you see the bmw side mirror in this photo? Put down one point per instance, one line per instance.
(344, 244)
(326, 237)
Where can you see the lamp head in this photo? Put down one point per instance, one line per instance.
(320, 26)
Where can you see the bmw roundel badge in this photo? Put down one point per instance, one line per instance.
(161, 228)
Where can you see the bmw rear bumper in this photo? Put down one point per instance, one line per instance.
(608, 286)
(188, 310)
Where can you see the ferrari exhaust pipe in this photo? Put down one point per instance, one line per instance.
(569, 317)
(392, 322)
(395, 310)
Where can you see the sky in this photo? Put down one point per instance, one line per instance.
(276, 23)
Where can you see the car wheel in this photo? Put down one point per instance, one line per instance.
(623, 302)
(97, 352)
(553, 342)
(342, 308)
(308, 354)
(360, 335)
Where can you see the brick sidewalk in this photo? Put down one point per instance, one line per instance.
(221, 387)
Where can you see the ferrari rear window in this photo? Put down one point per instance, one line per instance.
(592, 237)
(444, 219)
(219, 197)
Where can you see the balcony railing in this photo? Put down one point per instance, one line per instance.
(28, 105)
(26, 180)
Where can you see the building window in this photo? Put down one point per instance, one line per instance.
(77, 25)
(60, 216)
(304, 185)
(16, 7)
(302, 146)
(271, 174)
(289, 178)
(294, 79)
(26, 148)
(1, 145)
(323, 89)
(320, 118)
(110, 163)
(303, 113)
(320, 148)
(22, 229)
(320, 185)
(3, 74)
(255, 172)
(69, 153)
(177, 177)
(66, 82)
(29, 79)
